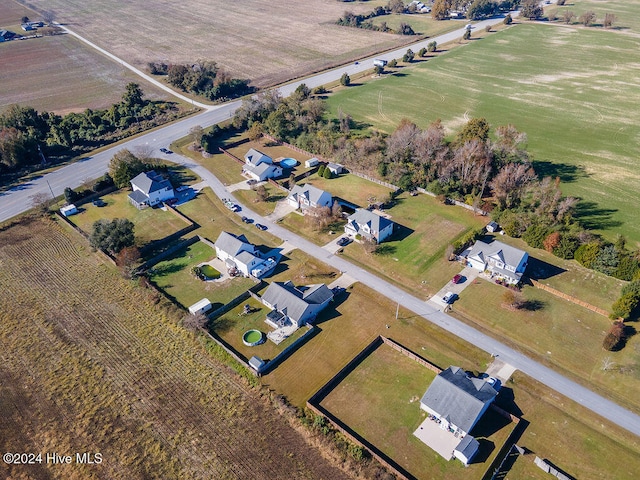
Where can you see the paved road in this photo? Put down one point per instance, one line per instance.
(17, 200)
(594, 402)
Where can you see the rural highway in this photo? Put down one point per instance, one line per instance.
(17, 200)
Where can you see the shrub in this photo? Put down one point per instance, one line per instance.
(628, 267)
(432, 46)
(70, 195)
(467, 35)
(607, 260)
(345, 79)
(321, 169)
(327, 173)
(586, 254)
(566, 248)
(393, 63)
(614, 337)
(422, 52)
(552, 241)
(508, 20)
(535, 235)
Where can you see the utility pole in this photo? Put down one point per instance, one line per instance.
(51, 190)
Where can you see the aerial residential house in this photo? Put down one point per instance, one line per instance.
(295, 306)
(238, 254)
(456, 402)
(260, 166)
(307, 196)
(369, 225)
(503, 261)
(150, 189)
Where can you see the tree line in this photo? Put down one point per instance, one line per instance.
(29, 138)
(203, 78)
(365, 21)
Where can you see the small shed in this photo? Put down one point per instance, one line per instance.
(203, 306)
(492, 227)
(312, 162)
(466, 449)
(257, 363)
(69, 210)
(335, 168)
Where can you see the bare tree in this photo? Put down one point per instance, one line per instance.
(587, 18)
(144, 153)
(510, 183)
(41, 203)
(567, 16)
(607, 364)
(195, 322)
(196, 134)
(261, 193)
(318, 218)
(609, 18)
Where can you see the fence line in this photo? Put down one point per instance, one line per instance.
(411, 355)
(158, 258)
(105, 255)
(569, 298)
(229, 154)
(391, 186)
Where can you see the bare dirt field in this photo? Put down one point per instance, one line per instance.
(264, 41)
(90, 362)
(62, 75)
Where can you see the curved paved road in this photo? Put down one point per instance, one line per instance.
(17, 200)
(585, 397)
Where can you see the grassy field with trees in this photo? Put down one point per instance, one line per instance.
(577, 118)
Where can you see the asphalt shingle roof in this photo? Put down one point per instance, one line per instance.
(286, 297)
(506, 253)
(255, 157)
(308, 191)
(232, 245)
(373, 220)
(150, 182)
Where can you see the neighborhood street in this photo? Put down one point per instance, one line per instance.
(17, 200)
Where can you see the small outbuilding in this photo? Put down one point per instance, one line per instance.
(312, 162)
(257, 363)
(492, 227)
(335, 168)
(203, 306)
(466, 449)
(69, 210)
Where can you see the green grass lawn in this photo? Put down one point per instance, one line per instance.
(249, 197)
(303, 269)
(578, 110)
(150, 223)
(299, 224)
(414, 259)
(350, 188)
(627, 13)
(232, 326)
(174, 277)
(560, 334)
(387, 387)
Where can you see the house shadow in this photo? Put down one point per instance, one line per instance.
(331, 312)
(565, 171)
(485, 449)
(490, 423)
(593, 217)
(540, 270)
(506, 401)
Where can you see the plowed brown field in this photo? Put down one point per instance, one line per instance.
(89, 362)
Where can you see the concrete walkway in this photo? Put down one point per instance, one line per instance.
(468, 274)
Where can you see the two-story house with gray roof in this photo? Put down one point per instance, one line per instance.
(307, 196)
(369, 225)
(295, 306)
(150, 189)
(259, 166)
(503, 261)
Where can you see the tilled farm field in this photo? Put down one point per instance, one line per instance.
(93, 363)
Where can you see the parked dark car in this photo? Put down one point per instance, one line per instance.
(457, 279)
(247, 220)
(259, 226)
(343, 241)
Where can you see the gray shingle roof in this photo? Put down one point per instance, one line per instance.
(138, 197)
(255, 157)
(232, 245)
(150, 182)
(453, 394)
(259, 169)
(308, 191)
(365, 217)
(468, 446)
(286, 297)
(506, 253)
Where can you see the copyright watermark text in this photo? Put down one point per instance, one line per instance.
(51, 458)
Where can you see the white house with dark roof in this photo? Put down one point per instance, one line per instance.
(455, 403)
(294, 306)
(369, 225)
(260, 166)
(307, 196)
(149, 189)
(237, 253)
(503, 261)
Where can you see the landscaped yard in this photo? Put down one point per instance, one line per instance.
(351, 188)
(249, 197)
(299, 224)
(233, 324)
(150, 223)
(579, 119)
(174, 277)
(380, 400)
(303, 269)
(558, 333)
(415, 258)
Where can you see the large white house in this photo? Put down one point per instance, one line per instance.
(237, 253)
(368, 225)
(293, 305)
(259, 166)
(503, 261)
(149, 189)
(307, 196)
(455, 403)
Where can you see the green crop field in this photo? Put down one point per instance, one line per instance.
(572, 90)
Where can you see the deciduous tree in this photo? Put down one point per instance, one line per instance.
(112, 235)
(587, 18)
(531, 9)
(609, 18)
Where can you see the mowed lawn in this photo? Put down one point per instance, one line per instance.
(578, 110)
(62, 74)
(559, 333)
(415, 257)
(150, 223)
(174, 277)
(380, 400)
(627, 13)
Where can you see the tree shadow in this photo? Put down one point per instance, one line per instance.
(566, 172)
(385, 249)
(532, 305)
(166, 269)
(540, 270)
(593, 217)
(399, 74)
